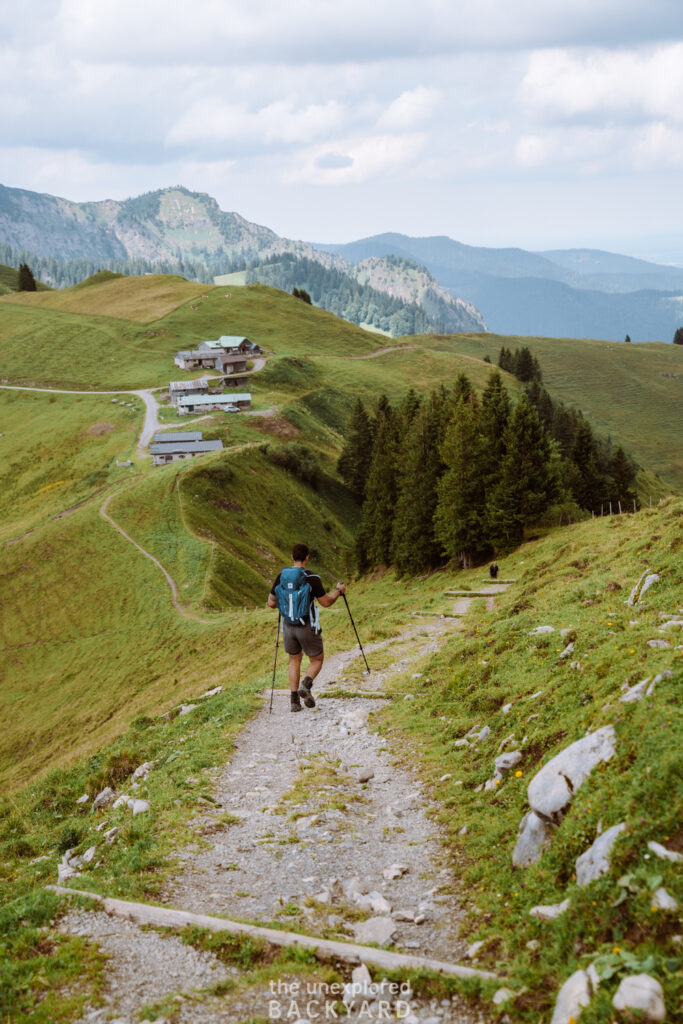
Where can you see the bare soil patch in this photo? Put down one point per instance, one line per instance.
(98, 429)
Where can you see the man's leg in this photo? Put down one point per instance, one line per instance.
(314, 666)
(295, 671)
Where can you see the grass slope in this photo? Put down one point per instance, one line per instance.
(632, 392)
(58, 450)
(577, 579)
(142, 299)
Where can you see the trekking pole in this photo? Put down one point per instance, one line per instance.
(356, 632)
(277, 644)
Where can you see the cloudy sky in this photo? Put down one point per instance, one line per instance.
(540, 123)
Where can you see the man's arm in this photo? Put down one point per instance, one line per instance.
(329, 599)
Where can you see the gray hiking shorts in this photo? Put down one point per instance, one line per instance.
(302, 638)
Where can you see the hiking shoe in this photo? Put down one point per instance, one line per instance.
(295, 703)
(305, 691)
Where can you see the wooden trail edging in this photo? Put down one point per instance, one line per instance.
(324, 949)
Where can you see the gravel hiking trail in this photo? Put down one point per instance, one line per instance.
(318, 826)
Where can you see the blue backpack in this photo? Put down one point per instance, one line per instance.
(295, 598)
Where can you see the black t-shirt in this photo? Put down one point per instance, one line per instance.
(316, 584)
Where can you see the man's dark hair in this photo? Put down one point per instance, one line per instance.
(300, 552)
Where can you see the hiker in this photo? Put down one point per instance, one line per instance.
(295, 592)
(493, 570)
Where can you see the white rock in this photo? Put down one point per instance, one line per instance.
(661, 644)
(111, 834)
(649, 581)
(641, 992)
(375, 902)
(573, 997)
(533, 945)
(420, 918)
(445, 777)
(376, 929)
(143, 771)
(576, 665)
(83, 799)
(534, 696)
(486, 731)
(140, 806)
(550, 911)
(351, 887)
(120, 801)
(404, 915)
(474, 948)
(568, 650)
(663, 900)
(493, 783)
(552, 789)
(636, 692)
(65, 872)
(89, 854)
(416, 675)
(103, 799)
(186, 708)
(322, 897)
(502, 996)
(672, 624)
(461, 743)
(395, 871)
(595, 861)
(409, 696)
(506, 708)
(505, 762)
(212, 693)
(664, 854)
(504, 742)
(539, 630)
(359, 989)
(463, 831)
(534, 834)
(366, 774)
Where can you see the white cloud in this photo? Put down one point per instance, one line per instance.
(211, 121)
(603, 84)
(370, 158)
(410, 109)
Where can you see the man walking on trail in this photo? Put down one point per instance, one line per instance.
(295, 592)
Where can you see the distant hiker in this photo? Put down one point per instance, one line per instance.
(294, 593)
(493, 570)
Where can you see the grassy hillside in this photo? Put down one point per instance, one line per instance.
(632, 392)
(57, 450)
(142, 299)
(9, 281)
(576, 578)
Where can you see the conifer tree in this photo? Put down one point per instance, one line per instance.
(495, 413)
(354, 461)
(526, 486)
(373, 545)
(415, 547)
(26, 280)
(623, 474)
(460, 513)
(584, 455)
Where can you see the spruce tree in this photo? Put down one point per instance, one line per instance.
(415, 547)
(495, 413)
(354, 461)
(26, 281)
(526, 486)
(623, 474)
(460, 513)
(584, 455)
(374, 541)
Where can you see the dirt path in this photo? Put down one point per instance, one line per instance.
(181, 609)
(308, 847)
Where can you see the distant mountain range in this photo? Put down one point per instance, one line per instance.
(573, 293)
(390, 281)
